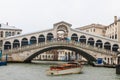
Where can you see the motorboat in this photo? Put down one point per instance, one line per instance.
(67, 68)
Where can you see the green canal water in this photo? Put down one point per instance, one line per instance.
(23, 71)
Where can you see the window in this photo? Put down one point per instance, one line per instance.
(13, 33)
(115, 36)
(6, 34)
(18, 32)
(105, 58)
(1, 42)
(112, 37)
(1, 34)
(94, 29)
(9, 33)
(43, 56)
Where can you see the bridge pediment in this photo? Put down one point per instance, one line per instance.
(62, 23)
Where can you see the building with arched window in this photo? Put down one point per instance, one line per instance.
(49, 55)
(68, 55)
(111, 31)
(7, 31)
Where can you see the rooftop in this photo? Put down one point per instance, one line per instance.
(92, 26)
(6, 26)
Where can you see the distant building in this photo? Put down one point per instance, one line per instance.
(111, 31)
(68, 55)
(49, 55)
(7, 31)
(97, 29)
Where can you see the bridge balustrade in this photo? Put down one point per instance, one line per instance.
(60, 43)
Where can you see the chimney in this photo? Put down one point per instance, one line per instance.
(115, 19)
(6, 23)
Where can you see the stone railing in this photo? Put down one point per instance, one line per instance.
(59, 43)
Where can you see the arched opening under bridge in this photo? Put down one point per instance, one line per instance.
(87, 56)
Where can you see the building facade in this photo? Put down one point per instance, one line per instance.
(60, 55)
(7, 31)
(49, 55)
(68, 55)
(97, 29)
(111, 31)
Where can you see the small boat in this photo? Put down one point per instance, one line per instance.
(67, 68)
(97, 65)
(3, 63)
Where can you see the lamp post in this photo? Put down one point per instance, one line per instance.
(118, 63)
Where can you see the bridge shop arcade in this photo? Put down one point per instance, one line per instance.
(25, 46)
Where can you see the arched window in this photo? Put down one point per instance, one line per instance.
(62, 32)
(24, 42)
(33, 40)
(1, 34)
(9, 34)
(115, 36)
(107, 45)
(99, 43)
(50, 36)
(6, 34)
(43, 56)
(91, 41)
(74, 37)
(48, 56)
(41, 38)
(18, 32)
(82, 39)
(7, 45)
(16, 43)
(13, 33)
(115, 47)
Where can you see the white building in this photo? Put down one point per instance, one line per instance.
(111, 31)
(68, 55)
(49, 55)
(94, 29)
(7, 30)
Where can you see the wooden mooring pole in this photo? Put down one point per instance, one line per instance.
(118, 65)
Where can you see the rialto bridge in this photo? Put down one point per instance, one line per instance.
(25, 47)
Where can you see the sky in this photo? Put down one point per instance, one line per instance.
(37, 15)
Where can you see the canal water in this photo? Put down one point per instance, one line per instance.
(32, 71)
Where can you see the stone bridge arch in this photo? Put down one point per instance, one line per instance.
(86, 55)
(27, 53)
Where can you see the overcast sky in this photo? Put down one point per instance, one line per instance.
(35, 15)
